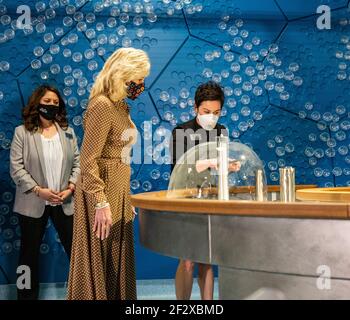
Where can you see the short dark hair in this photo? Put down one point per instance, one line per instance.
(209, 91)
(30, 113)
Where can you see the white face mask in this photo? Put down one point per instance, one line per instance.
(207, 121)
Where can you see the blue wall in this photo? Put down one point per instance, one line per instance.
(293, 113)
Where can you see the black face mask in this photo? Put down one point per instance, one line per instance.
(134, 90)
(48, 112)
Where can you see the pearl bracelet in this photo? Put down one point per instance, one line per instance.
(102, 205)
(36, 190)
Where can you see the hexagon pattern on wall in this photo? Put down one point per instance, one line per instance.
(286, 85)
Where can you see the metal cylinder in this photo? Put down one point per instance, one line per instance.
(260, 189)
(222, 161)
(287, 184)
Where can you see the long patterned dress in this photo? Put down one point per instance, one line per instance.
(104, 270)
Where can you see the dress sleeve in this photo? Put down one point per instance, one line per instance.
(76, 161)
(97, 124)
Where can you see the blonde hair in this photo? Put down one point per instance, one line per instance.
(124, 65)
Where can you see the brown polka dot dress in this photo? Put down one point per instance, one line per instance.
(104, 270)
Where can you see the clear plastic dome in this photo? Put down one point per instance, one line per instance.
(196, 174)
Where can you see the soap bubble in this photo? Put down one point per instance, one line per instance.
(289, 147)
(257, 91)
(54, 49)
(92, 65)
(155, 174)
(343, 150)
(67, 91)
(44, 248)
(318, 172)
(269, 85)
(326, 173)
(48, 38)
(247, 86)
(67, 53)
(249, 46)
(272, 165)
(36, 64)
(319, 153)
(81, 26)
(147, 186)
(243, 126)
(245, 101)
(334, 126)
(89, 54)
(233, 31)
(340, 109)
(284, 95)
(315, 116)
(40, 27)
(330, 153)
(7, 247)
(298, 81)
(250, 71)
(68, 22)
(279, 87)
(77, 57)
(90, 33)
(47, 58)
(237, 79)
(237, 41)
(184, 93)
(274, 176)
(294, 67)
(235, 67)
(234, 117)
(237, 92)
(72, 102)
(55, 69)
(340, 135)
(69, 81)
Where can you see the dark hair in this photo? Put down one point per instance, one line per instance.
(209, 91)
(30, 113)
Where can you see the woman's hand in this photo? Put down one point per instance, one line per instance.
(65, 194)
(202, 165)
(133, 212)
(49, 195)
(103, 222)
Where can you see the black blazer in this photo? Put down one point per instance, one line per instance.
(190, 134)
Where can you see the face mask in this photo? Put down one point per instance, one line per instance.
(48, 112)
(134, 90)
(207, 121)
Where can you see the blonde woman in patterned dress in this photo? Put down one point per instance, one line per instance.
(102, 261)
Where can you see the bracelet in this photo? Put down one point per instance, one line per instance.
(36, 190)
(72, 189)
(102, 205)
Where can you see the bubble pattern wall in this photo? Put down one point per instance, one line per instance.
(286, 85)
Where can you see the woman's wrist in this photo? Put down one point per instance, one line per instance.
(101, 205)
(36, 190)
(71, 187)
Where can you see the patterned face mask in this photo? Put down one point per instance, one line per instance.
(48, 112)
(134, 90)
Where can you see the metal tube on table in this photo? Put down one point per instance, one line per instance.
(287, 184)
(222, 161)
(260, 189)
